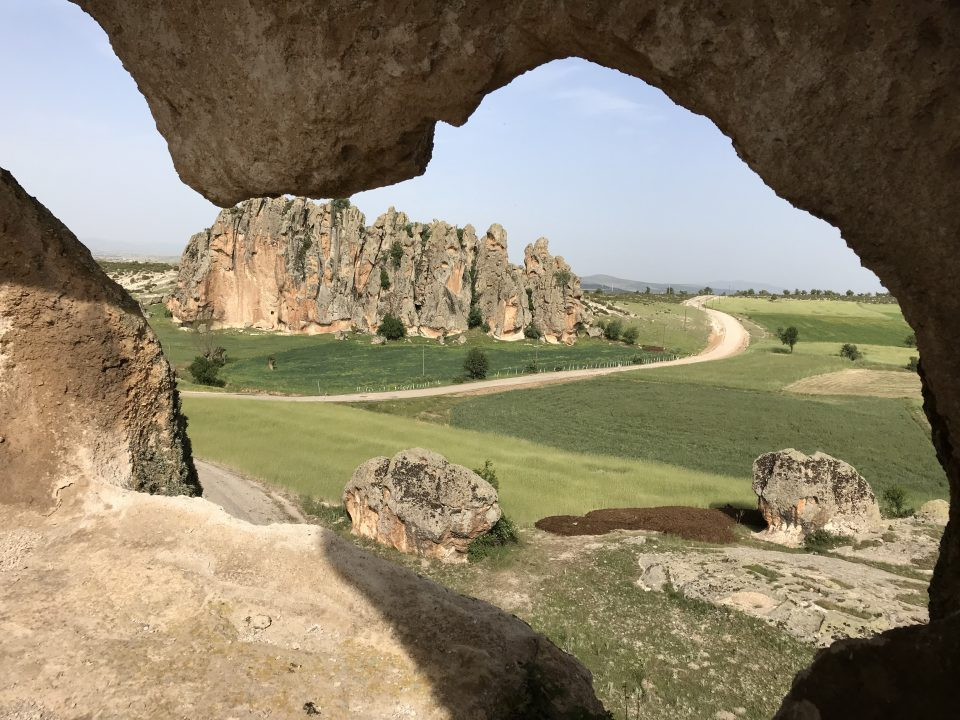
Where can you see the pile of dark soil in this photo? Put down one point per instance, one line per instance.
(702, 524)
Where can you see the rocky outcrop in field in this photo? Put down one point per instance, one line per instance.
(418, 502)
(799, 494)
(297, 266)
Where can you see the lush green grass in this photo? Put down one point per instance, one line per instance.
(314, 448)
(714, 429)
(669, 325)
(320, 364)
(832, 321)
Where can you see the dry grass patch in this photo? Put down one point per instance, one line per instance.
(873, 383)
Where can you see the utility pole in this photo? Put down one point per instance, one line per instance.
(423, 361)
(684, 318)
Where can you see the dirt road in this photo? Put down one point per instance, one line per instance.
(242, 497)
(729, 338)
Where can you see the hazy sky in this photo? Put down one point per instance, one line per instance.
(620, 179)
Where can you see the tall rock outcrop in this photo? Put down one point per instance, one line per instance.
(85, 392)
(293, 265)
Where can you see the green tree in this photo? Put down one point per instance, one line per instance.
(532, 332)
(396, 253)
(910, 340)
(850, 352)
(477, 364)
(630, 335)
(391, 327)
(895, 502)
(613, 329)
(913, 363)
(561, 278)
(475, 317)
(204, 371)
(788, 336)
(384, 279)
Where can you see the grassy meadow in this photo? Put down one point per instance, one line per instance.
(312, 449)
(684, 330)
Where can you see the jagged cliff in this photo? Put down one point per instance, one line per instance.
(297, 266)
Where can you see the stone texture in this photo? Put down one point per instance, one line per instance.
(847, 110)
(85, 392)
(297, 266)
(935, 511)
(418, 502)
(799, 494)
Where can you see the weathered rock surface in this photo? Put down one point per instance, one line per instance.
(85, 392)
(935, 511)
(799, 494)
(302, 267)
(418, 502)
(125, 605)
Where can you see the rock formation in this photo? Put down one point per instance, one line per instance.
(418, 502)
(85, 392)
(798, 495)
(297, 266)
(934, 511)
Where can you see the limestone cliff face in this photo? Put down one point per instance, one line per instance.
(303, 267)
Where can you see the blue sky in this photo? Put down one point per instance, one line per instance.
(620, 179)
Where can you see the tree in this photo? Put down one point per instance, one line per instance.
(895, 502)
(475, 317)
(849, 293)
(204, 371)
(913, 363)
(477, 364)
(646, 290)
(384, 279)
(561, 278)
(396, 253)
(532, 332)
(850, 352)
(613, 329)
(910, 340)
(788, 336)
(391, 327)
(630, 335)
(706, 290)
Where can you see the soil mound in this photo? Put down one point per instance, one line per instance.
(704, 525)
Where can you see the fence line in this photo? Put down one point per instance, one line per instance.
(526, 370)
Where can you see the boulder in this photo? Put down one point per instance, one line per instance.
(595, 331)
(461, 340)
(377, 340)
(340, 335)
(934, 511)
(420, 503)
(799, 494)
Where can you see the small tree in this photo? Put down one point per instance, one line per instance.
(630, 335)
(384, 279)
(913, 364)
(895, 502)
(850, 352)
(561, 278)
(788, 336)
(204, 371)
(475, 317)
(489, 474)
(391, 327)
(910, 340)
(613, 329)
(476, 364)
(532, 332)
(396, 253)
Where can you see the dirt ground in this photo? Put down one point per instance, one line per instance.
(703, 525)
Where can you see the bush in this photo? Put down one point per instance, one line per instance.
(485, 326)
(823, 540)
(850, 352)
(384, 279)
(396, 253)
(216, 355)
(531, 367)
(391, 327)
(913, 364)
(895, 502)
(910, 340)
(613, 329)
(339, 204)
(489, 474)
(475, 317)
(204, 371)
(476, 364)
(532, 332)
(630, 335)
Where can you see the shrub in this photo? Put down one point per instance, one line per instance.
(913, 363)
(503, 533)
(895, 502)
(532, 332)
(561, 278)
(475, 317)
(788, 335)
(485, 326)
(216, 355)
(531, 367)
(910, 340)
(391, 327)
(340, 204)
(476, 364)
(396, 253)
(630, 335)
(166, 312)
(823, 540)
(460, 237)
(850, 352)
(489, 474)
(530, 300)
(204, 371)
(384, 279)
(613, 329)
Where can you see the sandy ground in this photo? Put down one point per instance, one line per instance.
(244, 498)
(729, 338)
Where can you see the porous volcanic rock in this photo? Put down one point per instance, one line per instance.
(799, 494)
(418, 502)
(297, 266)
(85, 392)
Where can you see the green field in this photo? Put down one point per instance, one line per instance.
(831, 321)
(667, 324)
(314, 448)
(320, 364)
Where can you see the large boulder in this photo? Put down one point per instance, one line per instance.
(418, 502)
(799, 494)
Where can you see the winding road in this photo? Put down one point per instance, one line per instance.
(728, 338)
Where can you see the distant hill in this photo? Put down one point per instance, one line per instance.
(721, 287)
